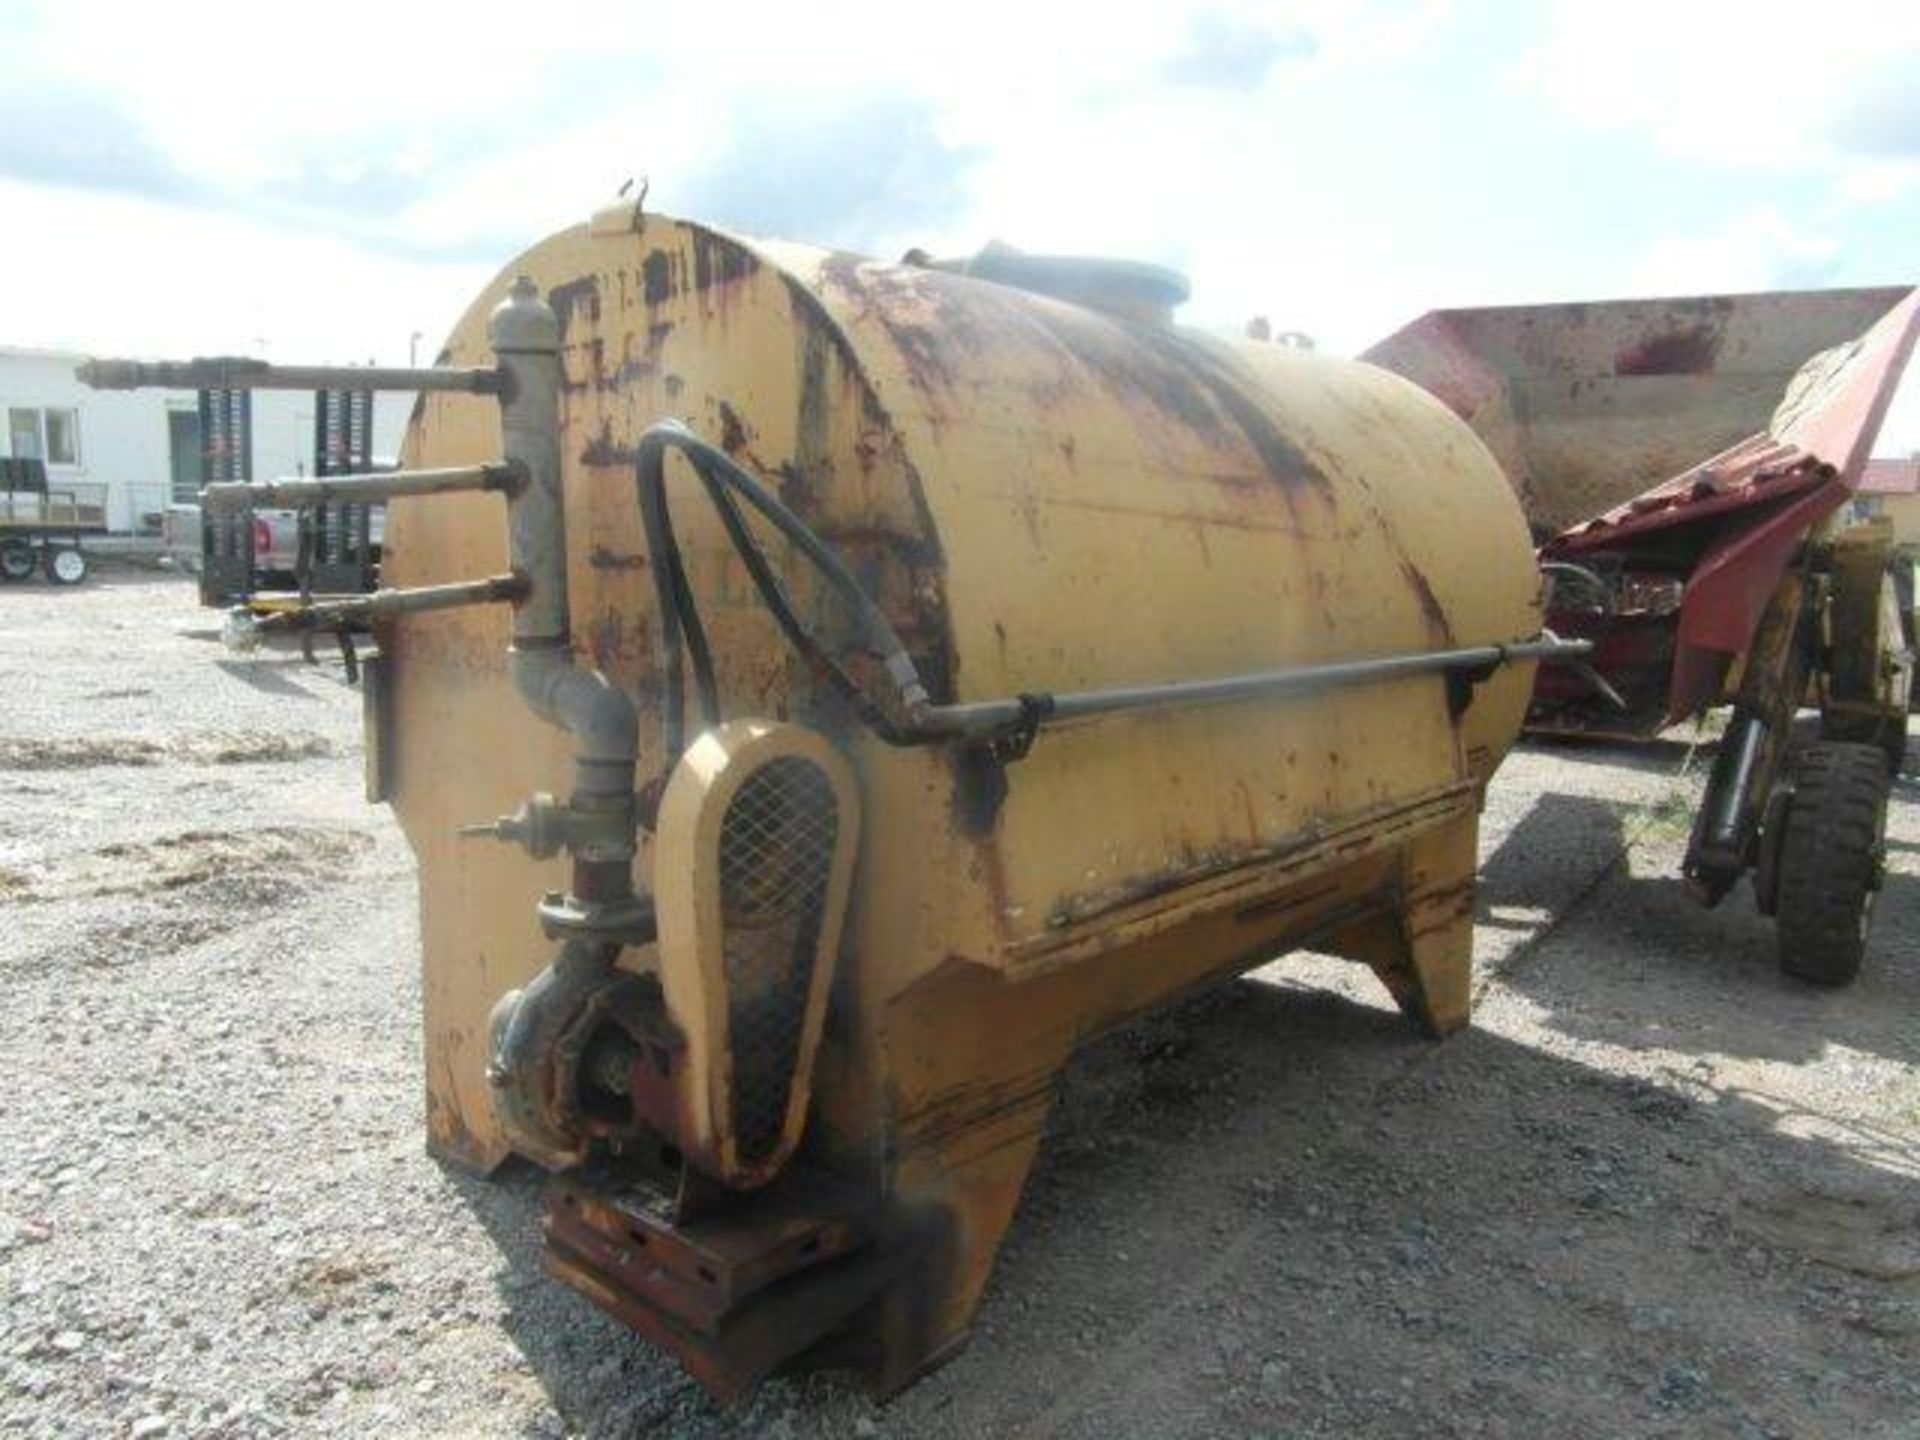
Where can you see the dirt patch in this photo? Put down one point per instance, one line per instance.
(330, 1278)
(144, 900)
(248, 866)
(249, 747)
(144, 932)
(255, 748)
(77, 754)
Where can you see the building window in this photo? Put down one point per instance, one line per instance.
(49, 435)
(63, 437)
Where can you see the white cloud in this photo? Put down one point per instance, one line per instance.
(1757, 85)
(124, 275)
(1873, 181)
(368, 162)
(1760, 250)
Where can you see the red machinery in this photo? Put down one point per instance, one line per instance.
(1686, 466)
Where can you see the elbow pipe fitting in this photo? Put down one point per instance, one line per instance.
(603, 722)
(596, 712)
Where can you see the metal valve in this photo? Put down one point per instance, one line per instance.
(540, 826)
(545, 826)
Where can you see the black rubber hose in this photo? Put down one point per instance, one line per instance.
(720, 474)
(774, 594)
(678, 615)
(671, 434)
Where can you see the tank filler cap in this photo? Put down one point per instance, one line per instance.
(1129, 289)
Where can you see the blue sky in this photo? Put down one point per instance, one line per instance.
(200, 176)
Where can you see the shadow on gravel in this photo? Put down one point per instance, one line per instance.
(1655, 969)
(1277, 1210)
(1562, 836)
(268, 677)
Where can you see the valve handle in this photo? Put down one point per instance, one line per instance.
(539, 825)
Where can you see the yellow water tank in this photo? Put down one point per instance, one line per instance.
(1044, 493)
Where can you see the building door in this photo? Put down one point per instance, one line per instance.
(183, 449)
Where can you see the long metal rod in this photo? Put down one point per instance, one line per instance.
(505, 477)
(989, 717)
(239, 372)
(1732, 802)
(328, 614)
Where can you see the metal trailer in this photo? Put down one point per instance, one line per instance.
(42, 524)
(268, 559)
(1685, 466)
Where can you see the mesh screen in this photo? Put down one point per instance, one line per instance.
(776, 850)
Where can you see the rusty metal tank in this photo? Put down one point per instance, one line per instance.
(1042, 497)
(949, 661)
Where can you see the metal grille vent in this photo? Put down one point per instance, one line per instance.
(776, 853)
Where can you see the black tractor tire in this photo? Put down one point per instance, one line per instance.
(1830, 860)
(17, 560)
(1885, 733)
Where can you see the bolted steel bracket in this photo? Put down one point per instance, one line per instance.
(1018, 739)
(1461, 685)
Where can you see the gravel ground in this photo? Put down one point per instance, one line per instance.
(1658, 1190)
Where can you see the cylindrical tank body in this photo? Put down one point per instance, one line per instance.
(1041, 498)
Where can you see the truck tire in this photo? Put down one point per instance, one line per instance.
(66, 564)
(1830, 860)
(17, 561)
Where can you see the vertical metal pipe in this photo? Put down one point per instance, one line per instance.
(605, 727)
(526, 341)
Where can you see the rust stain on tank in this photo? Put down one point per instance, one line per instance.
(1431, 611)
(719, 261)
(934, 319)
(795, 492)
(877, 296)
(582, 295)
(603, 450)
(1283, 460)
(656, 277)
(733, 431)
(601, 558)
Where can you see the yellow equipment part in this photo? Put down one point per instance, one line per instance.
(753, 854)
(1040, 497)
